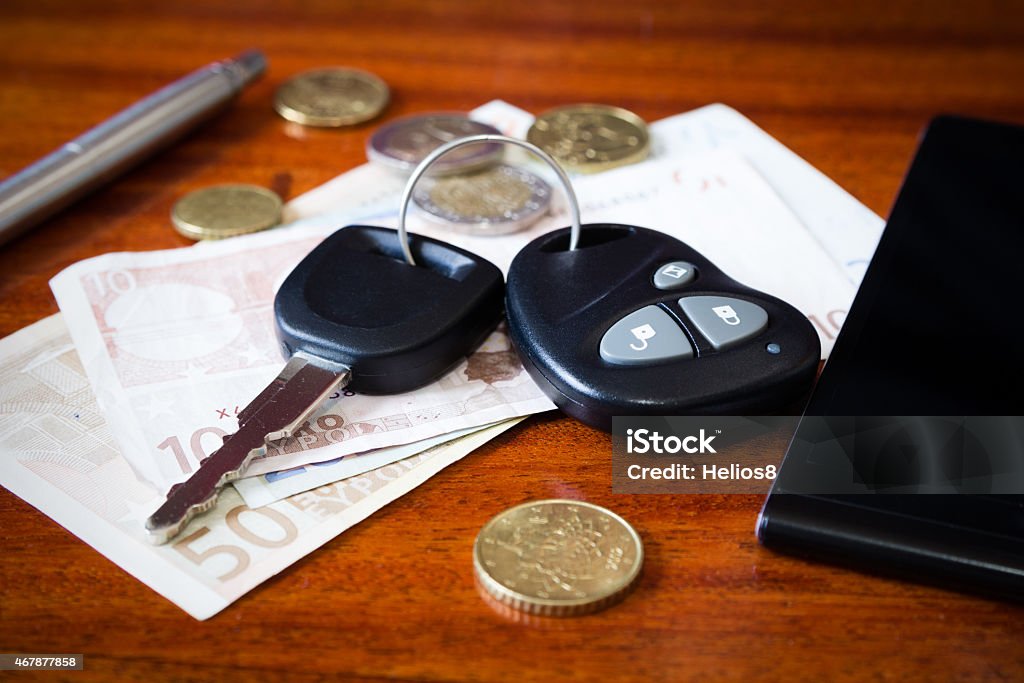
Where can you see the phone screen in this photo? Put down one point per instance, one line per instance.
(937, 327)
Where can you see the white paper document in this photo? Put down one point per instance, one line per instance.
(264, 489)
(845, 228)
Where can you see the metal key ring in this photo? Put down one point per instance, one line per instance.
(574, 207)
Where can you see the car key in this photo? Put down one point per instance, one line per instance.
(651, 327)
(352, 312)
(642, 324)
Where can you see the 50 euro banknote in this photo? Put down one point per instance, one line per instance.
(58, 454)
(176, 342)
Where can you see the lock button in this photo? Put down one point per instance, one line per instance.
(645, 337)
(724, 321)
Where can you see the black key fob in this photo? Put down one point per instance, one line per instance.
(635, 322)
(354, 301)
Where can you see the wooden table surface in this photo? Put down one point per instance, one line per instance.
(846, 85)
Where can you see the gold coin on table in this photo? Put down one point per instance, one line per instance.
(557, 557)
(225, 211)
(331, 97)
(591, 137)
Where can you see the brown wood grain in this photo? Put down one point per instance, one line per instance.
(848, 85)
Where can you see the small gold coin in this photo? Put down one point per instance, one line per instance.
(591, 137)
(225, 211)
(331, 97)
(557, 557)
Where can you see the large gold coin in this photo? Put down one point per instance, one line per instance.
(557, 557)
(225, 211)
(591, 137)
(331, 97)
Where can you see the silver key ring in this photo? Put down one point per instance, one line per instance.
(574, 206)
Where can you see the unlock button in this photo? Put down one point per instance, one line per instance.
(724, 321)
(645, 337)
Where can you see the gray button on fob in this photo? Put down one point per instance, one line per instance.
(644, 337)
(724, 321)
(674, 274)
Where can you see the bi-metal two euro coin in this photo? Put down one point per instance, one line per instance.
(225, 211)
(402, 144)
(557, 557)
(331, 97)
(591, 137)
(496, 201)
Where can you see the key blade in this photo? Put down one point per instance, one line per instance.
(276, 413)
(303, 392)
(294, 364)
(199, 492)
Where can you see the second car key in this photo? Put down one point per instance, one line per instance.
(353, 312)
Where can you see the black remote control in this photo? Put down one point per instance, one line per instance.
(635, 322)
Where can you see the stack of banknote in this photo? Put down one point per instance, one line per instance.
(107, 404)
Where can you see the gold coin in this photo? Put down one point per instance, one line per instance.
(591, 137)
(557, 557)
(225, 211)
(331, 97)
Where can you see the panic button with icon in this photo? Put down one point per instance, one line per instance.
(645, 337)
(673, 275)
(724, 321)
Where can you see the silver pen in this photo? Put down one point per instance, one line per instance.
(99, 154)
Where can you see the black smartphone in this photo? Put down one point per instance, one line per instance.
(909, 456)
